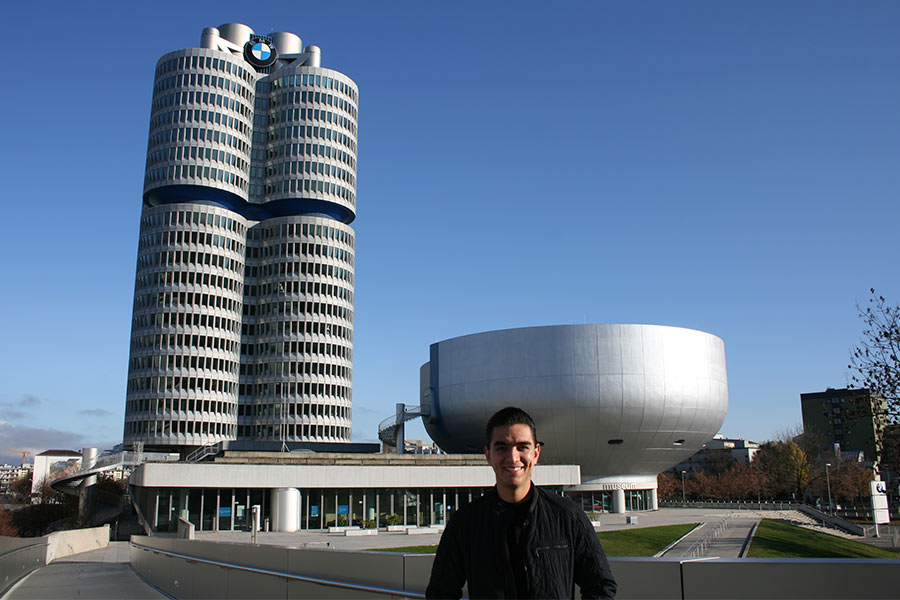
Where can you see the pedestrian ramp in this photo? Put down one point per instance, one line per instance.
(726, 538)
(103, 573)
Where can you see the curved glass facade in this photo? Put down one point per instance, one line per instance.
(299, 330)
(201, 122)
(186, 326)
(312, 136)
(243, 305)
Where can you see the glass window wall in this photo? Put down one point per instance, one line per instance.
(230, 509)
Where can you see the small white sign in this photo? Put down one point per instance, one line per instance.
(880, 513)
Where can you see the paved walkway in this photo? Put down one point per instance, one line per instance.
(729, 543)
(102, 574)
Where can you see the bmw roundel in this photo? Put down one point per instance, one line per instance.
(260, 52)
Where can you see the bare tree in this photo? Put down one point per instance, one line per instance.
(875, 365)
(810, 441)
(875, 362)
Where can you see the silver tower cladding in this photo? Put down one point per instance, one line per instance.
(243, 303)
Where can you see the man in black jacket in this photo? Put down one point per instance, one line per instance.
(519, 541)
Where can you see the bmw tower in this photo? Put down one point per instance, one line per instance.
(243, 302)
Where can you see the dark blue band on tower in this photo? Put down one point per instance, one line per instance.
(284, 207)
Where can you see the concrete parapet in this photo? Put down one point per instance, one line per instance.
(831, 521)
(21, 556)
(267, 571)
(73, 541)
(185, 529)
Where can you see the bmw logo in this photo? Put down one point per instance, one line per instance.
(260, 52)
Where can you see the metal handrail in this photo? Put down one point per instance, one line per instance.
(69, 482)
(304, 578)
(204, 451)
(409, 413)
(700, 547)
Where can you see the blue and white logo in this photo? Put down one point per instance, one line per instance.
(260, 52)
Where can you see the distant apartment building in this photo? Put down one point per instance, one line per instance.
(718, 453)
(846, 420)
(10, 473)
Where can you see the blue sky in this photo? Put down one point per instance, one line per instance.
(729, 167)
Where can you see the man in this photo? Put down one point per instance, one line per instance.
(519, 541)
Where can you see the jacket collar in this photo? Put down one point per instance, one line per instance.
(500, 504)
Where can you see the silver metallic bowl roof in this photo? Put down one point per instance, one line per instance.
(615, 399)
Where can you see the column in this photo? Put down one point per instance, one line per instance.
(618, 506)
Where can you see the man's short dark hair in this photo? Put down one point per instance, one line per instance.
(506, 417)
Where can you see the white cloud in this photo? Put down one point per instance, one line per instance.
(37, 440)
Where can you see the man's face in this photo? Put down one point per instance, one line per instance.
(512, 454)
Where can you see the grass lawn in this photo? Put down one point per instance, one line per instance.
(775, 539)
(644, 541)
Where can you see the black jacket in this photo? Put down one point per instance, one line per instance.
(561, 549)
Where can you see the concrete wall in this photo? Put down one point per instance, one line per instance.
(265, 567)
(64, 543)
(20, 556)
(185, 529)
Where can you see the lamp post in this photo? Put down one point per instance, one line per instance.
(683, 501)
(828, 482)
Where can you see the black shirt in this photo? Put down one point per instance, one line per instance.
(518, 523)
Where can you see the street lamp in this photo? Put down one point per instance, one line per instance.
(683, 501)
(828, 482)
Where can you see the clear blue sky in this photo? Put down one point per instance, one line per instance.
(729, 167)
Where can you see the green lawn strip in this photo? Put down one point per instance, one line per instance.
(645, 541)
(776, 539)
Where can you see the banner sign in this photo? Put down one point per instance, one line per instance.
(880, 513)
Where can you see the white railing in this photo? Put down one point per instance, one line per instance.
(387, 429)
(204, 451)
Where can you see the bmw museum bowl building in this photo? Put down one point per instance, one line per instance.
(623, 402)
